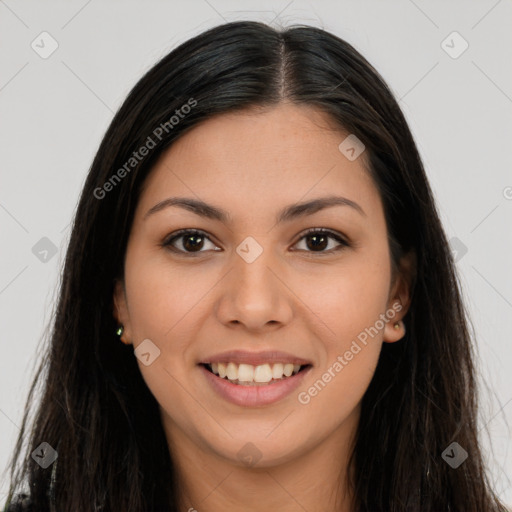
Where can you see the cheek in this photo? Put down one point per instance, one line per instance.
(350, 302)
(163, 294)
(350, 297)
(161, 302)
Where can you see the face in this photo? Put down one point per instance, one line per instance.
(252, 292)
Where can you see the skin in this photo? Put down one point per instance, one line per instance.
(310, 302)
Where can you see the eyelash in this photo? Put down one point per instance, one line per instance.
(322, 231)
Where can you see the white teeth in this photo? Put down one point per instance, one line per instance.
(288, 369)
(263, 373)
(247, 373)
(232, 371)
(277, 371)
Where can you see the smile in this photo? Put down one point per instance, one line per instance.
(235, 386)
(250, 375)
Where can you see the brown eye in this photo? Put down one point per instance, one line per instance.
(188, 241)
(193, 242)
(317, 241)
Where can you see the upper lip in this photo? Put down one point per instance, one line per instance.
(255, 358)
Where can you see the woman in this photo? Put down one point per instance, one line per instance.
(259, 307)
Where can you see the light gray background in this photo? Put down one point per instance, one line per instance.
(54, 112)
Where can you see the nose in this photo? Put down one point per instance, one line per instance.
(255, 294)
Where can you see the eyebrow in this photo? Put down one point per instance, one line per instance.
(287, 214)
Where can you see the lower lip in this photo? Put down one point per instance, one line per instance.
(254, 396)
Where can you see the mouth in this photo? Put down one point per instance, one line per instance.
(255, 375)
(258, 385)
(254, 379)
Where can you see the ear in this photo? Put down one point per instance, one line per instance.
(120, 311)
(400, 297)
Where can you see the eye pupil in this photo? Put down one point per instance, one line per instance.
(194, 245)
(319, 241)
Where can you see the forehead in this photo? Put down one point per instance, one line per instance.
(258, 160)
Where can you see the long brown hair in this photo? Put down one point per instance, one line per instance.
(96, 411)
